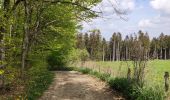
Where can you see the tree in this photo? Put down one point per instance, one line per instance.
(30, 29)
(80, 41)
(154, 48)
(127, 45)
(145, 42)
(166, 39)
(113, 46)
(162, 43)
(95, 45)
(119, 41)
(86, 42)
(104, 48)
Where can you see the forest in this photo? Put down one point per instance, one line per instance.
(33, 33)
(44, 55)
(120, 49)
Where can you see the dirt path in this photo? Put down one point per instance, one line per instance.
(71, 85)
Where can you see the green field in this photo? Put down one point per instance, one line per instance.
(154, 72)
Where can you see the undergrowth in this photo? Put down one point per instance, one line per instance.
(39, 80)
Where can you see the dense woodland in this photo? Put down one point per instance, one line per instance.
(33, 32)
(118, 49)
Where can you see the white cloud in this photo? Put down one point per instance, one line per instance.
(145, 23)
(127, 4)
(158, 23)
(162, 5)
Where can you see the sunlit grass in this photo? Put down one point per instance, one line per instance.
(154, 72)
(153, 88)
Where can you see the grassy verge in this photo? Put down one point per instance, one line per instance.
(154, 72)
(39, 79)
(129, 89)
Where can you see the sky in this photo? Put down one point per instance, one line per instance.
(151, 16)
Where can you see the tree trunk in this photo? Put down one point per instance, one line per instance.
(161, 53)
(25, 37)
(118, 51)
(169, 53)
(113, 51)
(103, 54)
(129, 54)
(2, 51)
(24, 51)
(165, 54)
(110, 57)
(155, 53)
(116, 54)
(126, 53)
(146, 55)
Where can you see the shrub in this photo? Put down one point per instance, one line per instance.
(95, 73)
(85, 70)
(104, 76)
(56, 61)
(151, 93)
(134, 92)
(120, 84)
(78, 55)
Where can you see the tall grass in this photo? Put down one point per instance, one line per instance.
(153, 88)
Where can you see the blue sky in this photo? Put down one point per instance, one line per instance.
(152, 16)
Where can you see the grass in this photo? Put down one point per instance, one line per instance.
(154, 72)
(130, 90)
(39, 79)
(154, 78)
(102, 76)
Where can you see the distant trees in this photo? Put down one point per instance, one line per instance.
(160, 47)
(118, 49)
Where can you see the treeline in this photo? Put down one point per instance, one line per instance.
(118, 49)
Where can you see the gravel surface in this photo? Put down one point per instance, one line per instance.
(72, 85)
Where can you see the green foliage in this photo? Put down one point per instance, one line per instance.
(84, 55)
(156, 93)
(39, 80)
(38, 28)
(56, 60)
(133, 92)
(85, 70)
(1, 71)
(120, 84)
(78, 55)
(11, 75)
(102, 76)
